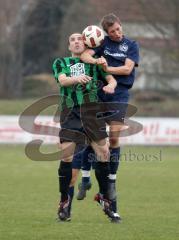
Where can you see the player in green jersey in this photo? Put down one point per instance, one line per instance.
(78, 83)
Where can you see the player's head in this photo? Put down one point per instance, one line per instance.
(76, 44)
(112, 26)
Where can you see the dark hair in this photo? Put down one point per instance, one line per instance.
(72, 34)
(108, 20)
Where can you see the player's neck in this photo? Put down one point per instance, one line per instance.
(76, 55)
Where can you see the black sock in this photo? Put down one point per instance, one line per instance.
(112, 194)
(114, 159)
(101, 173)
(114, 205)
(65, 175)
(71, 194)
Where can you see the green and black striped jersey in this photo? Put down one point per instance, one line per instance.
(78, 94)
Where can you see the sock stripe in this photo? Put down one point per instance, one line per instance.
(112, 176)
(85, 173)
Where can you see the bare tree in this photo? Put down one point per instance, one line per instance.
(162, 15)
(11, 48)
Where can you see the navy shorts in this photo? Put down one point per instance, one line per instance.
(116, 105)
(77, 162)
(81, 160)
(78, 156)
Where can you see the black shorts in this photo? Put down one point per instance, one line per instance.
(81, 125)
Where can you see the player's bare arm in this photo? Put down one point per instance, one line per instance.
(87, 56)
(112, 83)
(126, 69)
(68, 81)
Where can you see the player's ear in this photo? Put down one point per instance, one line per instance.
(69, 48)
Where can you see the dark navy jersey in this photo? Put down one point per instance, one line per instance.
(116, 54)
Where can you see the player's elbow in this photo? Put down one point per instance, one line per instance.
(127, 71)
(62, 82)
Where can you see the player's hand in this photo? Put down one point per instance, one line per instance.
(101, 61)
(83, 79)
(105, 67)
(108, 89)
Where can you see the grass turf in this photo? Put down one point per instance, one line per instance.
(148, 198)
(17, 106)
(150, 108)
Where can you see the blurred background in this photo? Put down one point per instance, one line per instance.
(34, 32)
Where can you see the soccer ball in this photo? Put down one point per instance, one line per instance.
(93, 36)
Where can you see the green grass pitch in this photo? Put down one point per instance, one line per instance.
(148, 182)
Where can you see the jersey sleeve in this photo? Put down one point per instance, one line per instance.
(98, 51)
(59, 68)
(133, 53)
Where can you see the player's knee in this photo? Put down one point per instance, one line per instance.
(67, 159)
(66, 152)
(104, 154)
(65, 156)
(114, 142)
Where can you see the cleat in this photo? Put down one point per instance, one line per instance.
(82, 188)
(107, 208)
(113, 197)
(99, 198)
(63, 211)
(116, 218)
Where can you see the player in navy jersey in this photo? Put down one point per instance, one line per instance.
(119, 56)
